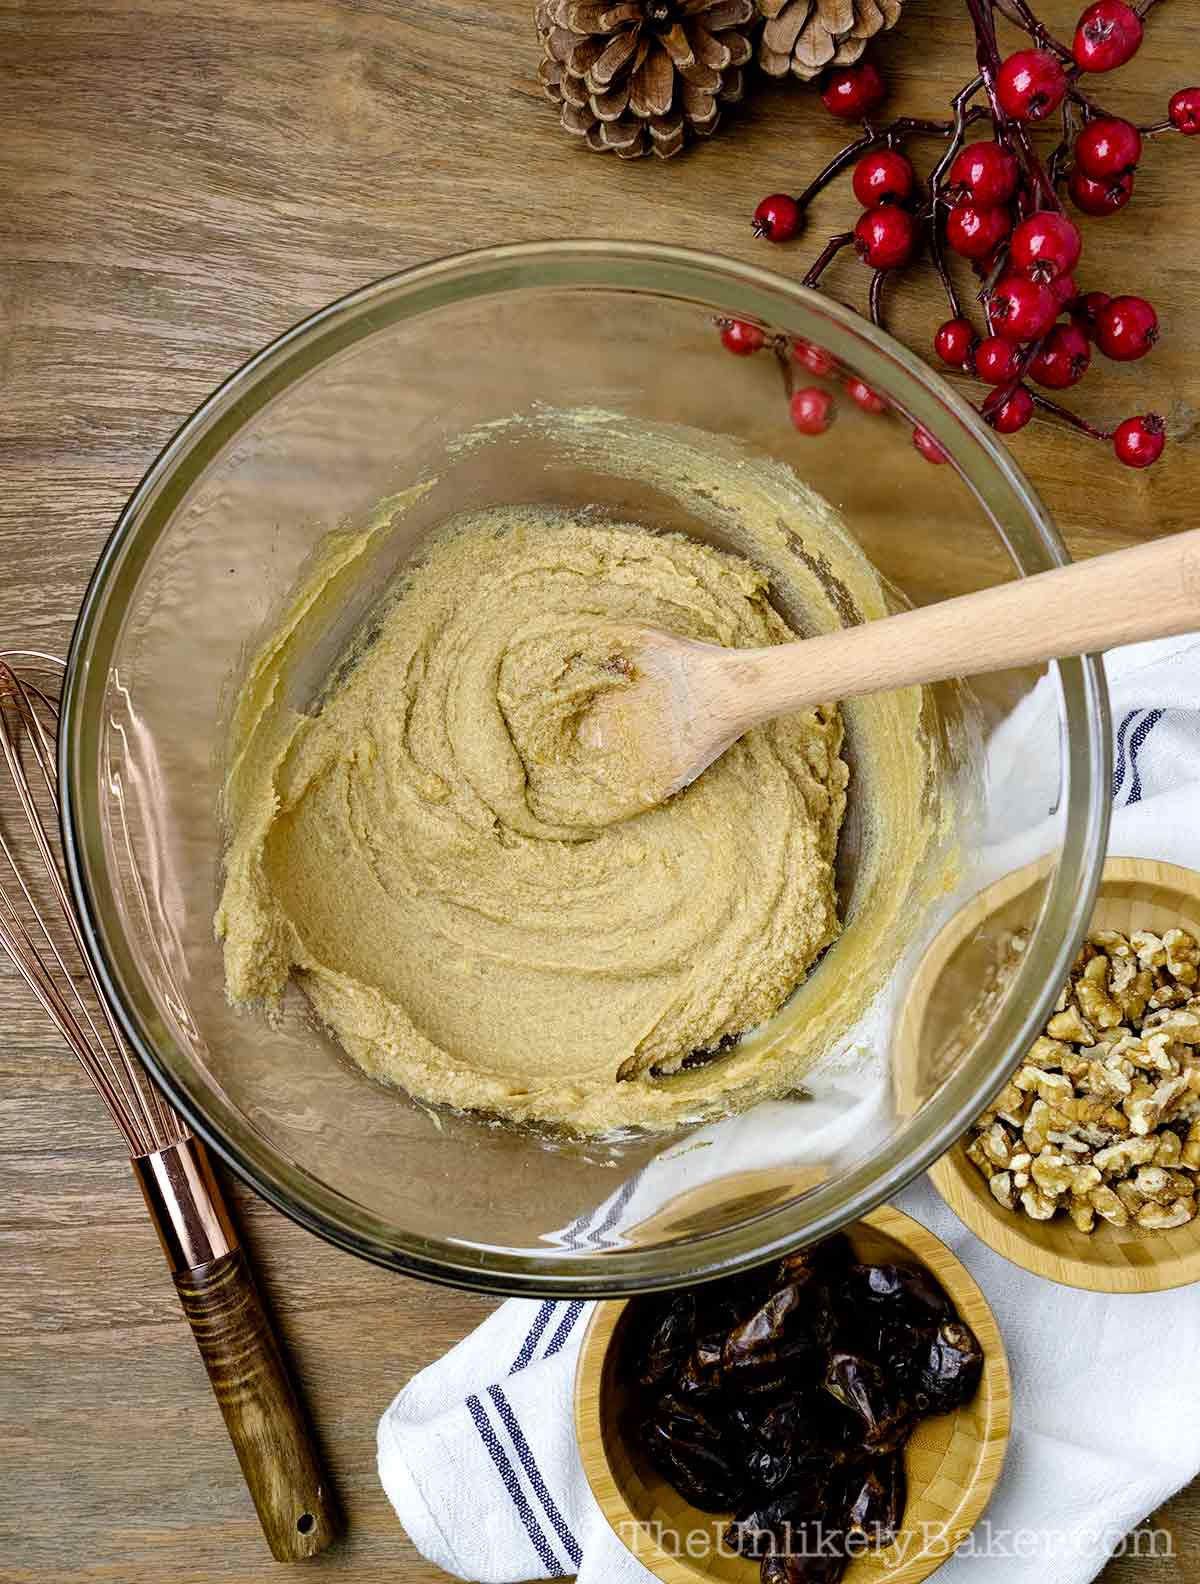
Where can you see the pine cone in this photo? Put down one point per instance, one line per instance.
(640, 76)
(805, 36)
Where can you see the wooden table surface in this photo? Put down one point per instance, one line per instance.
(180, 180)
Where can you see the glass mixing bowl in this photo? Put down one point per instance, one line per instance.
(491, 374)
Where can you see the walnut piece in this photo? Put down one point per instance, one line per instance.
(1036, 1205)
(1161, 1218)
(1102, 1118)
(1083, 1214)
(1052, 1173)
(1105, 1202)
(1183, 956)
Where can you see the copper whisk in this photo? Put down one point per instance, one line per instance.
(40, 932)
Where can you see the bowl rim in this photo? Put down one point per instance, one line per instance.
(926, 1247)
(1002, 1230)
(1020, 521)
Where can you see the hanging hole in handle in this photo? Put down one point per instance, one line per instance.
(306, 1523)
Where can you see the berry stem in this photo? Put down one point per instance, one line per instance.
(1069, 417)
(987, 54)
(826, 257)
(938, 253)
(996, 272)
(879, 137)
(836, 165)
(1008, 132)
(1089, 108)
(997, 397)
(1059, 164)
(875, 298)
(782, 348)
(1018, 12)
(964, 114)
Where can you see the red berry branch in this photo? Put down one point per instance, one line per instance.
(997, 204)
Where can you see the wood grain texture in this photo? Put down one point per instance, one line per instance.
(292, 1496)
(952, 1461)
(1135, 893)
(179, 183)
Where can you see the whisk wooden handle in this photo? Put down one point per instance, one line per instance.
(266, 1423)
(262, 1413)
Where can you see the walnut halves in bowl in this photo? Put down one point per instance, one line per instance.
(1103, 1118)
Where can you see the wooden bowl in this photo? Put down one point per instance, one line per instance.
(1135, 893)
(952, 1460)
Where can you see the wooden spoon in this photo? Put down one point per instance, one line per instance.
(687, 702)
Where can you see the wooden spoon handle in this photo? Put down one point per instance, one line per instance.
(1151, 591)
(264, 1418)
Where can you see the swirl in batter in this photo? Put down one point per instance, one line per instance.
(421, 857)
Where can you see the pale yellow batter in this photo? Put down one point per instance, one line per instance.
(422, 856)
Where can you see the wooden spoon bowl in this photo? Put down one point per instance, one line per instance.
(953, 1460)
(683, 703)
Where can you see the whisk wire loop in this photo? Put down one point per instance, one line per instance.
(67, 990)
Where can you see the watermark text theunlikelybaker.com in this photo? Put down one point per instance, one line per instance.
(987, 1539)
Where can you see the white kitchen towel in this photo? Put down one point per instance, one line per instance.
(477, 1453)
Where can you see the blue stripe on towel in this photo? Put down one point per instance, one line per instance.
(1143, 730)
(1119, 768)
(574, 1310)
(513, 1486)
(596, 1238)
(577, 1236)
(529, 1346)
(572, 1237)
(517, 1436)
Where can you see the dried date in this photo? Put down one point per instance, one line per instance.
(787, 1399)
(950, 1370)
(878, 1499)
(784, 1338)
(696, 1452)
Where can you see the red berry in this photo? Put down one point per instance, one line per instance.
(885, 236)
(1065, 289)
(1100, 197)
(811, 410)
(1184, 111)
(814, 358)
(853, 92)
(1107, 147)
(1046, 245)
(869, 400)
(1085, 311)
(1126, 328)
(1022, 309)
(1030, 85)
(883, 177)
(995, 360)
(737, 335)
(974, 232)
(928, 446)
(954, 341)
(1106, 36)
(1139, 442)
(778, 218)
(1063, 358)
(1011, 414)
(986, 172)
